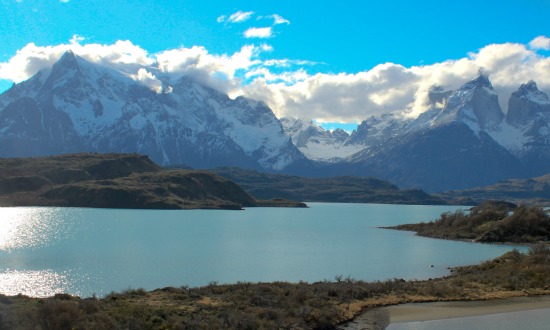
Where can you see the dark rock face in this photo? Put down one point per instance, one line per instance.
(527, 104)
(475, 103)
(529, 112)
(485, 103)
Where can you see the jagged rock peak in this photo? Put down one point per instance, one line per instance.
(475, 103)
(482, 80)
(67, 65)
(531, 85)
(526, 104)
(67, 59)
(530, 90)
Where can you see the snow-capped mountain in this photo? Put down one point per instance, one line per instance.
(78, 105)
(526, 105)
(463, 140)
(319, 144)
(466, 141)
(526, 131)
(475, 104)
(376, 130)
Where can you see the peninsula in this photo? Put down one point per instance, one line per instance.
(490, 222)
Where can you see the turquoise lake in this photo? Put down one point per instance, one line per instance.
(85, 252)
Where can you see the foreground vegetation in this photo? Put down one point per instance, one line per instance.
(489, 222)
(321, 305)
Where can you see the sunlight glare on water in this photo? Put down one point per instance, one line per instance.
(42, 283)
(29, 227)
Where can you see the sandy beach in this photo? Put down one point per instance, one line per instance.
(380, 318)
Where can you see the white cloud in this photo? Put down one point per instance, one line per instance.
(237, 17)
(287, 87)
(286, 63)
(218, 71)
(277, 19)
(148, 79)
(392, 88)
(264, 32)
(32, 58)
(29, 60)
(540, 42)
(76, 39)
(64, 1)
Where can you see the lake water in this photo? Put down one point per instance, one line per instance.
(45, 250)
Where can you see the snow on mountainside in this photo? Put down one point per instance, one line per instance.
(319, 144)
(77, 105)
(376, 130)
(464, 140)
(475, 104)
(525, 130)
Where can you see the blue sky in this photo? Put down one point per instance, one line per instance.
(327, 37)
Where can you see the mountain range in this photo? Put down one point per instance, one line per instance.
(79, 106)
(462, 140)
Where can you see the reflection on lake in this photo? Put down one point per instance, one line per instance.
(95, 251)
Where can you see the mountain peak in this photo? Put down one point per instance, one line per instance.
(68, 59)
(66, 65)
(482, 80)
(475, 104)
(531, 92)
(526, 104)
(531, 85)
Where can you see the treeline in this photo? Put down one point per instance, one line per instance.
(489, 222)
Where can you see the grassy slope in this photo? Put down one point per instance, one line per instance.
(334, 189)
(279, 305)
